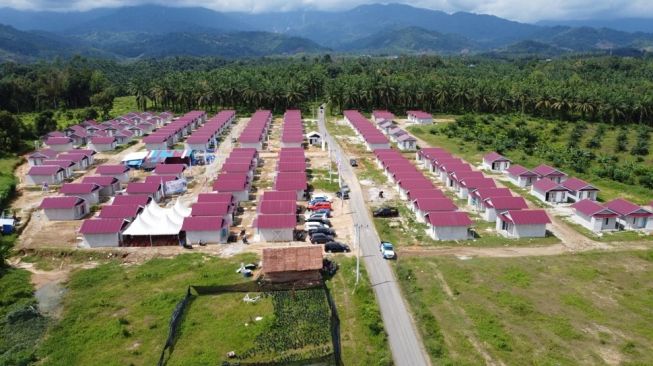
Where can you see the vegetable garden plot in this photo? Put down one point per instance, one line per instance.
(281, 327)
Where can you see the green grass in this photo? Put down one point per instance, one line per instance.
(21, 326)
(124, 105)
(320, 179)
(364, 340)
(7, 179)
(367, 170)
(583, 309)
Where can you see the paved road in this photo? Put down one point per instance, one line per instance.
(405, 343)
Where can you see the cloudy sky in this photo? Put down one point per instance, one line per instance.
(522, 10)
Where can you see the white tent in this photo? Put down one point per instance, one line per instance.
(156, 220)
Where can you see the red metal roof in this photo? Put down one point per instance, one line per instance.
(506, 203)
(545, 170)
(444, 219)
(593, 208)
(162, 169)
(279, 196)
(102, 226)
(44, 170)
(132, 199)
(291, 166)
(64, 163)
(269, 207)
(159, 178)
(78, 188)
(477, 183)
(625, 208)
(433, 192)
(120, 211)
(107, 169)
(419, 114)
(547, 185)
(276, 221)
(230, 184)
(58, 141)
(519, 170)
(575, 184)
(435, 204)
(61, 202)
(485, 193)
(494, 156)
(100, 181)
(210, 209)
(103, 139)
(215, 197)
(202, 223)
(526, 217)
(144, 187)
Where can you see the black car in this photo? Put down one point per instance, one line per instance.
(386, 212)
(321, 230)
(353, 162)
(321, 238)
(336, 247)
(318, 219)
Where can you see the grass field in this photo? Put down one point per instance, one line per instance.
(321, 182)
(557, 134)
(583, 309)
(118, 315)
(7, 179)
(124, 105)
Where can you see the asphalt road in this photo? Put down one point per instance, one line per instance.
(403, 337)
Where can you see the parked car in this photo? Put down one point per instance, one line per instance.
(387, 250)
(321, 230)
(336, 247)
(321, 238)
(386, 212)
(353, 162)
(325, 211)
(319, 219)
(321, 197)
(319, 206)
(317, 200)
(341, 195)
(314, 225)
(321, 215)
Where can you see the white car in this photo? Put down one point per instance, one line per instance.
(324, 197)
(321, 215)
(314, 224)
(387, 250)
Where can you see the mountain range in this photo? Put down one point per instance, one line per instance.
(159, 31)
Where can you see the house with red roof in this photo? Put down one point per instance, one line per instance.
(549, 191)
(88, 191)
(269, 207)
(217, 197)
(238, 185)
(45, 174)
(63, 208)
(520, 176)
(631, 216)
(496, 162)
(134, 199)
(173, 170)
(292, 181)
(108, 185)
(103, 143)
(224, 210)
(152, 189)
(205, 229)
(545, 171)
(523, 223)
(498, 205)
(406, 142)
(476, 198)
(127, 212)
(37, 157)
(118, 171)
(469, 185)
(81, 159)
(451, 225)
(382, 115)
(423, 206)
(275, 228)
(60, 144)
(66, 165)
(419, 117)
(103, 232)
(579, 190)
(278, 196)
(594, 216)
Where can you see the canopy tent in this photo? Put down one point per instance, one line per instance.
(156, 220)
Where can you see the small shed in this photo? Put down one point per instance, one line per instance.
(45, 174)
(523, 223)
(314, 138)
(205, 229)
(520, 176)
(549, 191)
(496, 162)
(64, 208)
(448, 225)
(103, 232)
(275, 228)
(593, 216)
(293, 264)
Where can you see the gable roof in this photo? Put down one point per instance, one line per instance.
(100, 181)
(593, 208)
(202, 223)
(78, 188)
(544, 170)
(275, 221)
(518, 170)
(102, 226)
(120, 211)
(210, 208)
(292, 259)
(277, 207)
(103, 140)
(624, 208)
(279, 195)
(435, 204)
(44, 170)
(494, 156)
(485, 193)
(444, 219)
(547, 185)
(526, 217)
(215, 197)
(107, 169)
(58, 141)
(62, 202)
(575, 184)
(506, 203)
(143, 187)
(169, 169)
(132, 199)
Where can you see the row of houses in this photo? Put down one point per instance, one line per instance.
(237, 173)
(256, 130)
(206, 137)
(371, 136)
(168, 135)
(494, 204)
(48, 166)
(292, 130)
(404, 140)
(210, 218)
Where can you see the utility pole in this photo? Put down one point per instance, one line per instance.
(358, 228)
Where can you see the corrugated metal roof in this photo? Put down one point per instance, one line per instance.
(506, 203)
(44, 170)
(202, 223)
(138, 199)
(624, 207)
(526, 217)
(494, 156)
(210, 208)
(102, 226)
(78, 188)
(547, 185)
(544, 170)
(100, 181)
(61, 202)
(576, 184)
(592, 208)
(119, 211)
(106, 169)
(277, 207)
(445, 219)
(276, 221)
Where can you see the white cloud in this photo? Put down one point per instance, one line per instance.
(522, 10)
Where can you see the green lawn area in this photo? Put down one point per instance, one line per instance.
(7, 178)
(118, 315)
(583, 309)
(321, 182)
(124, 105)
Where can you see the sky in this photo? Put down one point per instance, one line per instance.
(520, 10)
